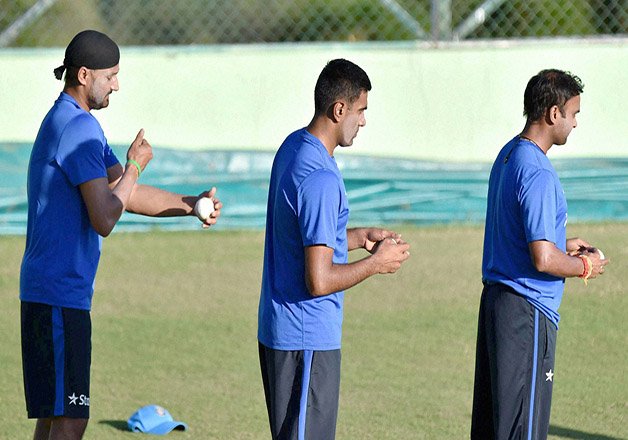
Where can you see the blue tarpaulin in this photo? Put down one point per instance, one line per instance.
(381, 191)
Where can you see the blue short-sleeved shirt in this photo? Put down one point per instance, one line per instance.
(526, 203)
(62, 247)
(307, 205)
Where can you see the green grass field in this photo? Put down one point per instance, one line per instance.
(175, 316)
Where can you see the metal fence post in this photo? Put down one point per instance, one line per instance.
(441, 20)
(9, 34)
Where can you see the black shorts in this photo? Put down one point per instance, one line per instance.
(56, 358)
(301, 389)
(514, 370)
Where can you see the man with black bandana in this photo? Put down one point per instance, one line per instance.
(77, 191)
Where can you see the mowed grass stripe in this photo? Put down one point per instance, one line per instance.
(175, 320)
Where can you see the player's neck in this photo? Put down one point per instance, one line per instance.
(75, 93)
(535, 134)
(319, 129)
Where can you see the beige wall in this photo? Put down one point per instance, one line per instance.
(457, 102)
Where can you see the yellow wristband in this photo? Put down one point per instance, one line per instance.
(137, 165)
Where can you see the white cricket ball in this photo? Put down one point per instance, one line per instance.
(203, 208)
(599, 251)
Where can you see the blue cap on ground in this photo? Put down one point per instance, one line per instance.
(153, 419)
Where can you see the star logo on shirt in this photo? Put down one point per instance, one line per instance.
(73, 399)
(550, 376)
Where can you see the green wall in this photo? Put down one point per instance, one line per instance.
(457, 102)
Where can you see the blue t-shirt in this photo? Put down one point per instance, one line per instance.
(526, 203)
(307, 205)
(62, 247)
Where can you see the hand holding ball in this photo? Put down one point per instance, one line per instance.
(203, 208)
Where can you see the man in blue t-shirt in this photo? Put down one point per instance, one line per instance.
(526, 260)
(77, 191)
(306, 268)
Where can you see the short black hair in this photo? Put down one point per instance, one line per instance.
(339, 79)
(548, 88)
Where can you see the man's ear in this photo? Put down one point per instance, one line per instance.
(552, 115)
(338, 110)
(82, 75)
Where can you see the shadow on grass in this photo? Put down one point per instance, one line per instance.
(579, 435)
(120, 425)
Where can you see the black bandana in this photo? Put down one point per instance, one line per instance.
(90, 49)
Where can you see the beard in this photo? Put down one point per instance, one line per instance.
(97, 103)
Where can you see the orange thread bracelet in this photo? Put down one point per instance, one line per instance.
(588, 268)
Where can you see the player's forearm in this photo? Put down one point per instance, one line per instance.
(105, 205)
(547, 258)
(124, 188)
(339, 277)
(154, 202)
(356, 238)
(563, 266)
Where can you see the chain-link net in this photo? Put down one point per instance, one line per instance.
(167, 22)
